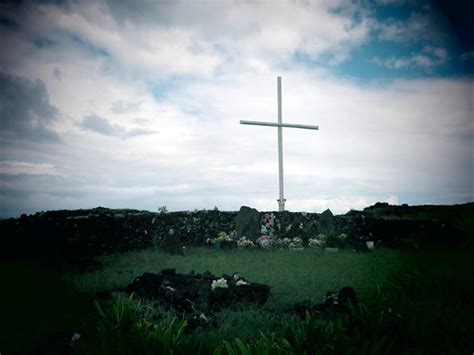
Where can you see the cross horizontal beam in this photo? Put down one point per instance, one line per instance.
(289, 125)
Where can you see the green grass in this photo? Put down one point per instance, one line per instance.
(293, 275)
(413, 301)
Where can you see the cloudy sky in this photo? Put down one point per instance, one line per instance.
(137, 104)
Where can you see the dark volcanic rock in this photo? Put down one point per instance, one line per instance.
(248, 223)
(344, 302)
(54, 237)
(193, 293)
(327, 222)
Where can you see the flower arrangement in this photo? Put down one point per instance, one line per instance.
(222, 238)
(295, 243)
(268, 222)
(315, 242)
(265, 242)
(220, 283)
(244, 242)
(290, 243)
(283, 243)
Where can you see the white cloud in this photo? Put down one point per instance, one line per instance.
(100, 125)
(408, 140)
(170, 39)
(404, 139)
(427, 59)
(418, 26)
(393, 200)
(9, 167)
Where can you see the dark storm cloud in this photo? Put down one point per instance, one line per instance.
(8, 22)
(8, 17)
(101, 125)
(25, 111)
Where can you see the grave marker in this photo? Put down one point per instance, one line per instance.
(280, 125)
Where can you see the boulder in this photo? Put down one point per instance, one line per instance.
(326, 222)
(248, 223)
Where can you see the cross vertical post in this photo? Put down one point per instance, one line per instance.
(281, 200)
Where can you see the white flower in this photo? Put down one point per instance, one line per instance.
(170, 288)
(221, 283)
(314, 243)
(241, 283)
(75, 337)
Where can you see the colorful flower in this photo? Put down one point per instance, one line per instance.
(264, 241)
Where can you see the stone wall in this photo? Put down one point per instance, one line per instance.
(66, 234)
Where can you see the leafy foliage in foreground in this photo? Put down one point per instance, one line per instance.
(423, 312)
(121, 330)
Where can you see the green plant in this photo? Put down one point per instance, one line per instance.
(334, 240)
(120, 330)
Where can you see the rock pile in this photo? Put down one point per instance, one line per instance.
(343, 302)
(197, 293)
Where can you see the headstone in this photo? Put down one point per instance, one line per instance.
(172, 243)
(326, 222)
(248, 223)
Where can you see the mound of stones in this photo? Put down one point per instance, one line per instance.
(345, 301)
(197, 294)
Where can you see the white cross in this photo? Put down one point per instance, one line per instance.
(280, 125)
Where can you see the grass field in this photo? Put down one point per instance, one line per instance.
(412, 302)
(293, 275)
